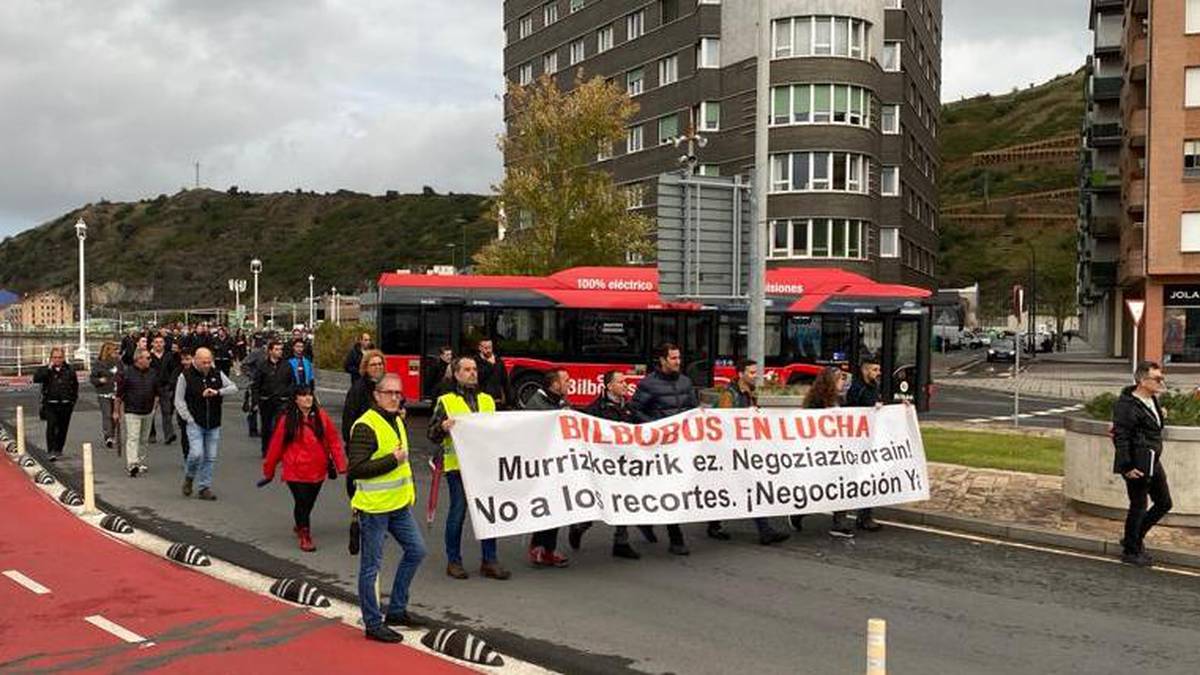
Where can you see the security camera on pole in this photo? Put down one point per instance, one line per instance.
(693, 141)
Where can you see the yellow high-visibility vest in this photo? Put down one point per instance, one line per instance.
(456, 405)
(393, 490)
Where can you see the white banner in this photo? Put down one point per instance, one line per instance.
(529, 471)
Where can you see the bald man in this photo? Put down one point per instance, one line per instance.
(199, 395)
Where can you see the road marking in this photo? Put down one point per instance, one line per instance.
(1026, 415)
(1032, 547)
(25, 581)
(117, 630)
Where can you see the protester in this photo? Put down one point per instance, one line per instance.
(104, 378)
(663, 393)
(301, 365)
(864, 392)
(240, 348)
(438, 376)
(358, 401)
(128, 344)
(198, 339)
(198, 398)
(464, 398)
(60, 391)
(741, 393)
(183, 365)
(222, 349)
(552, 396)
(272, 389)
(493, 374)
(298, 334)
(612, 404)
(354, 357)
(307, 443)
(1137, 432)
(137, 392)
(163, 362)
(825, 392)
(384, 499)
(250, 365)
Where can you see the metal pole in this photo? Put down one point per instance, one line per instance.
(1134, 355)
(82, 351)
(256, 299)
(756, 319)
(1017, 370)
(311, 319)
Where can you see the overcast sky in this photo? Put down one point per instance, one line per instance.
(116, 99)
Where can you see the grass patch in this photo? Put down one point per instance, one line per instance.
(1012, 452)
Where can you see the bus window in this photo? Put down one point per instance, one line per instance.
(611, 335)
(731, 337)
(836, 339)
(400, 330)
(663, 328)
(803, 343)
(905, 334)
(437, 329)
(528, 332)
(697, 348)
(773, 337)
(474, 327)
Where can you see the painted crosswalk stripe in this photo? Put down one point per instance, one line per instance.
(117, 630)
(25, 581)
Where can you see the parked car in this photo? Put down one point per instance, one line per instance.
(1002, 349)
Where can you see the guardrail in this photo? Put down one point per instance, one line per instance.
(24, 357)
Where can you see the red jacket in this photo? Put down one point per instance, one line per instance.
(305, 459)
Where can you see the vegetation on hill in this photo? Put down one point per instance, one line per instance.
(998, 252)
(188, 245)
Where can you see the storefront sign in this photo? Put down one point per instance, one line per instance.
(1181, 296)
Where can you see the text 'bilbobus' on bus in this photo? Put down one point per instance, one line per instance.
(593, 319)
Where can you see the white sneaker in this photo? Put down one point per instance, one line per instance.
(142, 468)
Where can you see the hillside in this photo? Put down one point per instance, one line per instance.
(1002, 212)
(184, 247)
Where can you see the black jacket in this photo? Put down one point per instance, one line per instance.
(1137, 435)
(358, 401)
(660, 396)
(273, 381)
(362, 446)
(353, 361)
(104, 376)
(59, 385)
(543, 399)
(606, 408)
(138, 389)
(862, 394)
(493, 379)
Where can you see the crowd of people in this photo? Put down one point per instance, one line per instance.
(175, 377)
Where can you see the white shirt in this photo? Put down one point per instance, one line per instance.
(1149, 403)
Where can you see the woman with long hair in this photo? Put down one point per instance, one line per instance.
(308, 444)
(826, 392)
(358, 399)
(104, 377)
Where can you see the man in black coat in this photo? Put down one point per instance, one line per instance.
(864, 392)
(60, 391)
(1137, 433)
(663, 393)
(272, 388)
(354, 357)
(552, 396)
(493, 374)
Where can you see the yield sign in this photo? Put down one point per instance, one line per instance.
(1136, 309)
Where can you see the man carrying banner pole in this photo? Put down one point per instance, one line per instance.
(464, 399)
(552, 396)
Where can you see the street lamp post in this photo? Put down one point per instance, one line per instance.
(81, 353)
(337, 319)
(311, 313)
(238, 286)
(256, 267)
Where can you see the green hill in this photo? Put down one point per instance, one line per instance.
(184, 247)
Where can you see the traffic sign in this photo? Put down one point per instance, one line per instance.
(1136, 309)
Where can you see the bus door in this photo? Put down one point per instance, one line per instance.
(897, 341)
(437, 328)
(699, 347)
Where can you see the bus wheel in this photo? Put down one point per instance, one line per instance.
(525, 386)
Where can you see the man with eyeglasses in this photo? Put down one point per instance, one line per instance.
(1137, 433)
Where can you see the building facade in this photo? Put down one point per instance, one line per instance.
(855, 101)
(1143, 184)
(46, 310)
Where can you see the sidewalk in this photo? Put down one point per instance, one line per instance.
(988, 500)
(72, 598)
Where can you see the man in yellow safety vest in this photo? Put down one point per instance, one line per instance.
(384, 496)
(464, 399)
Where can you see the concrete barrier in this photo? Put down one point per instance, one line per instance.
(1092, 487)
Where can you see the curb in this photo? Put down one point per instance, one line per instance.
(1032, 535)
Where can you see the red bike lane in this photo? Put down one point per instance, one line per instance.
(73, 599)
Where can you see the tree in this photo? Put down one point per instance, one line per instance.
(562, 210)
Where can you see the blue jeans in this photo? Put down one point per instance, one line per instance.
(404, 528)
(202, 454)
(454, 524)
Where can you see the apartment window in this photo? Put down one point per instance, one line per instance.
(889, 181)
(889, 242)
(550, 63)
(604, 151)
(576, 5)
(821, 104)
(577, 52)
(668, 10)
(816, 238)
(525, 73)
(1191, 158)
(1192, 20)
(891, 56)
(604, 39)
(708, 170)
(668, 129)
(668, 70)
(549, 13)
(820, 172)
(890, 122)
(893, 4)
(524, 26)
(1191, 96)
(710, 116)
(635, 81)
(708, 53)
(635, 25)
(633, 139)
(1189, 233)
(635, 195)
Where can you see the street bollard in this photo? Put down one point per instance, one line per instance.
(876, 647)
(89, 480)
(20, 430)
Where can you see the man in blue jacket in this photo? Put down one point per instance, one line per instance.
(302, 366)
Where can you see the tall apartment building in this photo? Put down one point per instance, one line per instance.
(46, 310)
(1140, 214)
(855, 101)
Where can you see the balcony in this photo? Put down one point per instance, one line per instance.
(1106, 88)
(1135, 56)
(1137, 128)
(1102, 274)
(1104, 227)
(1135, 198)
(1103, 135)
(1102, 181)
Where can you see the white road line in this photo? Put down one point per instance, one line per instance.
(117, 630)
(25, 581)
(1032, 547)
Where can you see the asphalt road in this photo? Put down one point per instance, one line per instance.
(952, 606)
(965, 404)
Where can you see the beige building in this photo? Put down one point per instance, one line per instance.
(46, 310)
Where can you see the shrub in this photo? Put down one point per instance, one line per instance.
(331, 343)
(1183, 408)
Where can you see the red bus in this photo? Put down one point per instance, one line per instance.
(593, 319)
